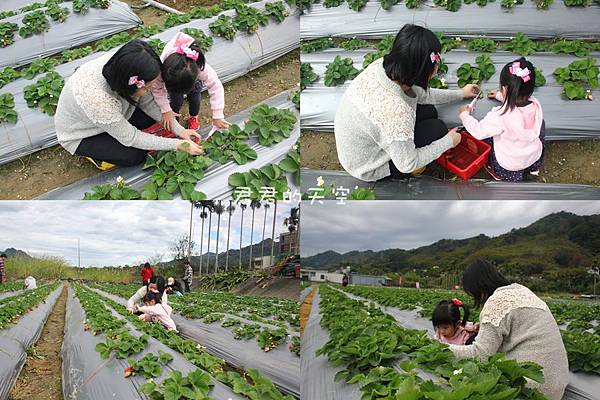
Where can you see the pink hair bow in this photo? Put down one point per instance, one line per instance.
(137, 82)
(435, 57)
(516, 70)
(186, 51)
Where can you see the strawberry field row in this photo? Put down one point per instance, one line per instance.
(12, 311)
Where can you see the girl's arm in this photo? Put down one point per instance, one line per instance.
(437, 96)
(148, 310)
(213, 84)
(161, 96)
(150, 105)
(487, 343)
(490, 126)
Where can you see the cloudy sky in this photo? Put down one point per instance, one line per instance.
(118, 233)
(379, 225)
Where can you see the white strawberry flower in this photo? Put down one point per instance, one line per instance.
(320, 181)
(457, 372)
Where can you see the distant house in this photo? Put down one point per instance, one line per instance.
(316, 275)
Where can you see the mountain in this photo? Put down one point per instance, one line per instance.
(11, 252)
(558, 247)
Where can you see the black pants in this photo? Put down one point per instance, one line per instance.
(193, 98)
(187, 286)
(428, 129)
(104, 147)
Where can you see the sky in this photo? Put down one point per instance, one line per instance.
(119, 233)
(380, 225)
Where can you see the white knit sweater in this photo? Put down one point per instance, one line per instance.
(375, 122)
(87, 107)
(517, 322)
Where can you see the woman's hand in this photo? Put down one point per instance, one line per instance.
(190, 134)
(220, 123)
(456, 137)
(190, 147)
(471, 90)
(168, 119)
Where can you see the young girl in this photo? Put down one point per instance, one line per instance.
(155, 311)
(185, 71)
(449, 327)
(517, 126)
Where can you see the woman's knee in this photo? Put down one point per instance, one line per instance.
(427, 132)
(134, 158)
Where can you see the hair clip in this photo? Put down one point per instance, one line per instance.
(456, 302)
(186, 51)
(137, 82)
(435, 57)
(516, 70)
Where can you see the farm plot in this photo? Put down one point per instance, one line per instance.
(247, 332)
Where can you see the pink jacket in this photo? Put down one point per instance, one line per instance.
(208, 76)
(516, 134)
(460, 337)
(160, 313)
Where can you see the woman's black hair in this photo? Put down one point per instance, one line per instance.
(147, 265)
(448, 313)
(480, 281)
(135, 58)
(180, 72)
(517, 91)
(409, 61)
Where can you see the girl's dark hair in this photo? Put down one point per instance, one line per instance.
(480, 281)
(135, 58)
(152, 296)
(448, 313)
(180, 72)
(517, 91)
(409, 61)
(160, 283)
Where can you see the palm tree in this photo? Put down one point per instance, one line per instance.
(203, 216)
(254, 204)
(230, 210)
(219, 209)
(210, 204)
(273, 233)
(262, 244)
(243, 207)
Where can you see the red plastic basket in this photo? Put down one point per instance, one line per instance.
(467, 158)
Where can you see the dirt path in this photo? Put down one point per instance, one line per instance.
(280, 287)
(41, 376)
(305, 308)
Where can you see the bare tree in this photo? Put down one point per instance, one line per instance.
(179, 247)
(230, 211)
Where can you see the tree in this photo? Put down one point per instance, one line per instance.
(203, 216)
(266, 206)
(179, 247)
(243, 206)
(230, 211)
(254, 204)
(273, 234)
(218, 209)
(210, 206)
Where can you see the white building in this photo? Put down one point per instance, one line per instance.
(316, 275)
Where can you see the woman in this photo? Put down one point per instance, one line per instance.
(156, 285)
(515, 321)
(174, 287)
(386, 124)
(147, 273)
(107, 102)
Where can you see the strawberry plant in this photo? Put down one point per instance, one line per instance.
(157, 45)
(510, 4)
(578, 78)
(540, 79)
(229, 145)
(332, 3)
(150, 366)
(37, 67)
(307, 76)
(412, 3)
(246, 331)
(8, 14)
(145, 31)
(113, 41)
(362, 194)
(339, 71)
(83, 6)
(270, 124)
(276, 10)
(577, 3)
(249, 19)
(205, 12)
(583, 351)
(521, 44)
(202, 40)
(268, 176)
(7, 112)
(34, 23)
(229, 322)
(213, 317)
(260, 388)
(312, 46)
(175, 171)
(295, 345)
(482, 45)
(224, 26)
(301, 4)
(196, 385)
(57, 13)
(450, 5)
(543, 4)
(387, 4)
(295, 98)
(578, 48)
(448, 43)
(124, 345)
(354, 44)
(74, 54)
(486, 66)
(45, 92)
(20, 305)
(176, 19)
(7, 33)
(119, 191)
(468, 74)
(269, 339)
(357, 5)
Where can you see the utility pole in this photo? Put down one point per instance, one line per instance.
(78, 253)
(190, 235)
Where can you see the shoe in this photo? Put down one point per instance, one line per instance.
(101, 165)
(193, 123)
(490, 171)
(418, 171)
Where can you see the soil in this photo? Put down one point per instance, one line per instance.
(45, 170)
(41, 375)
(305, 308)
(565, 162)
(280, 287)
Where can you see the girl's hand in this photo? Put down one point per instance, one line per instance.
(471, 90)
(456, 137)
(492, 94)
(190, 147)
(168, 119)
(220, 123)
(465, 108)
(190, 134)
